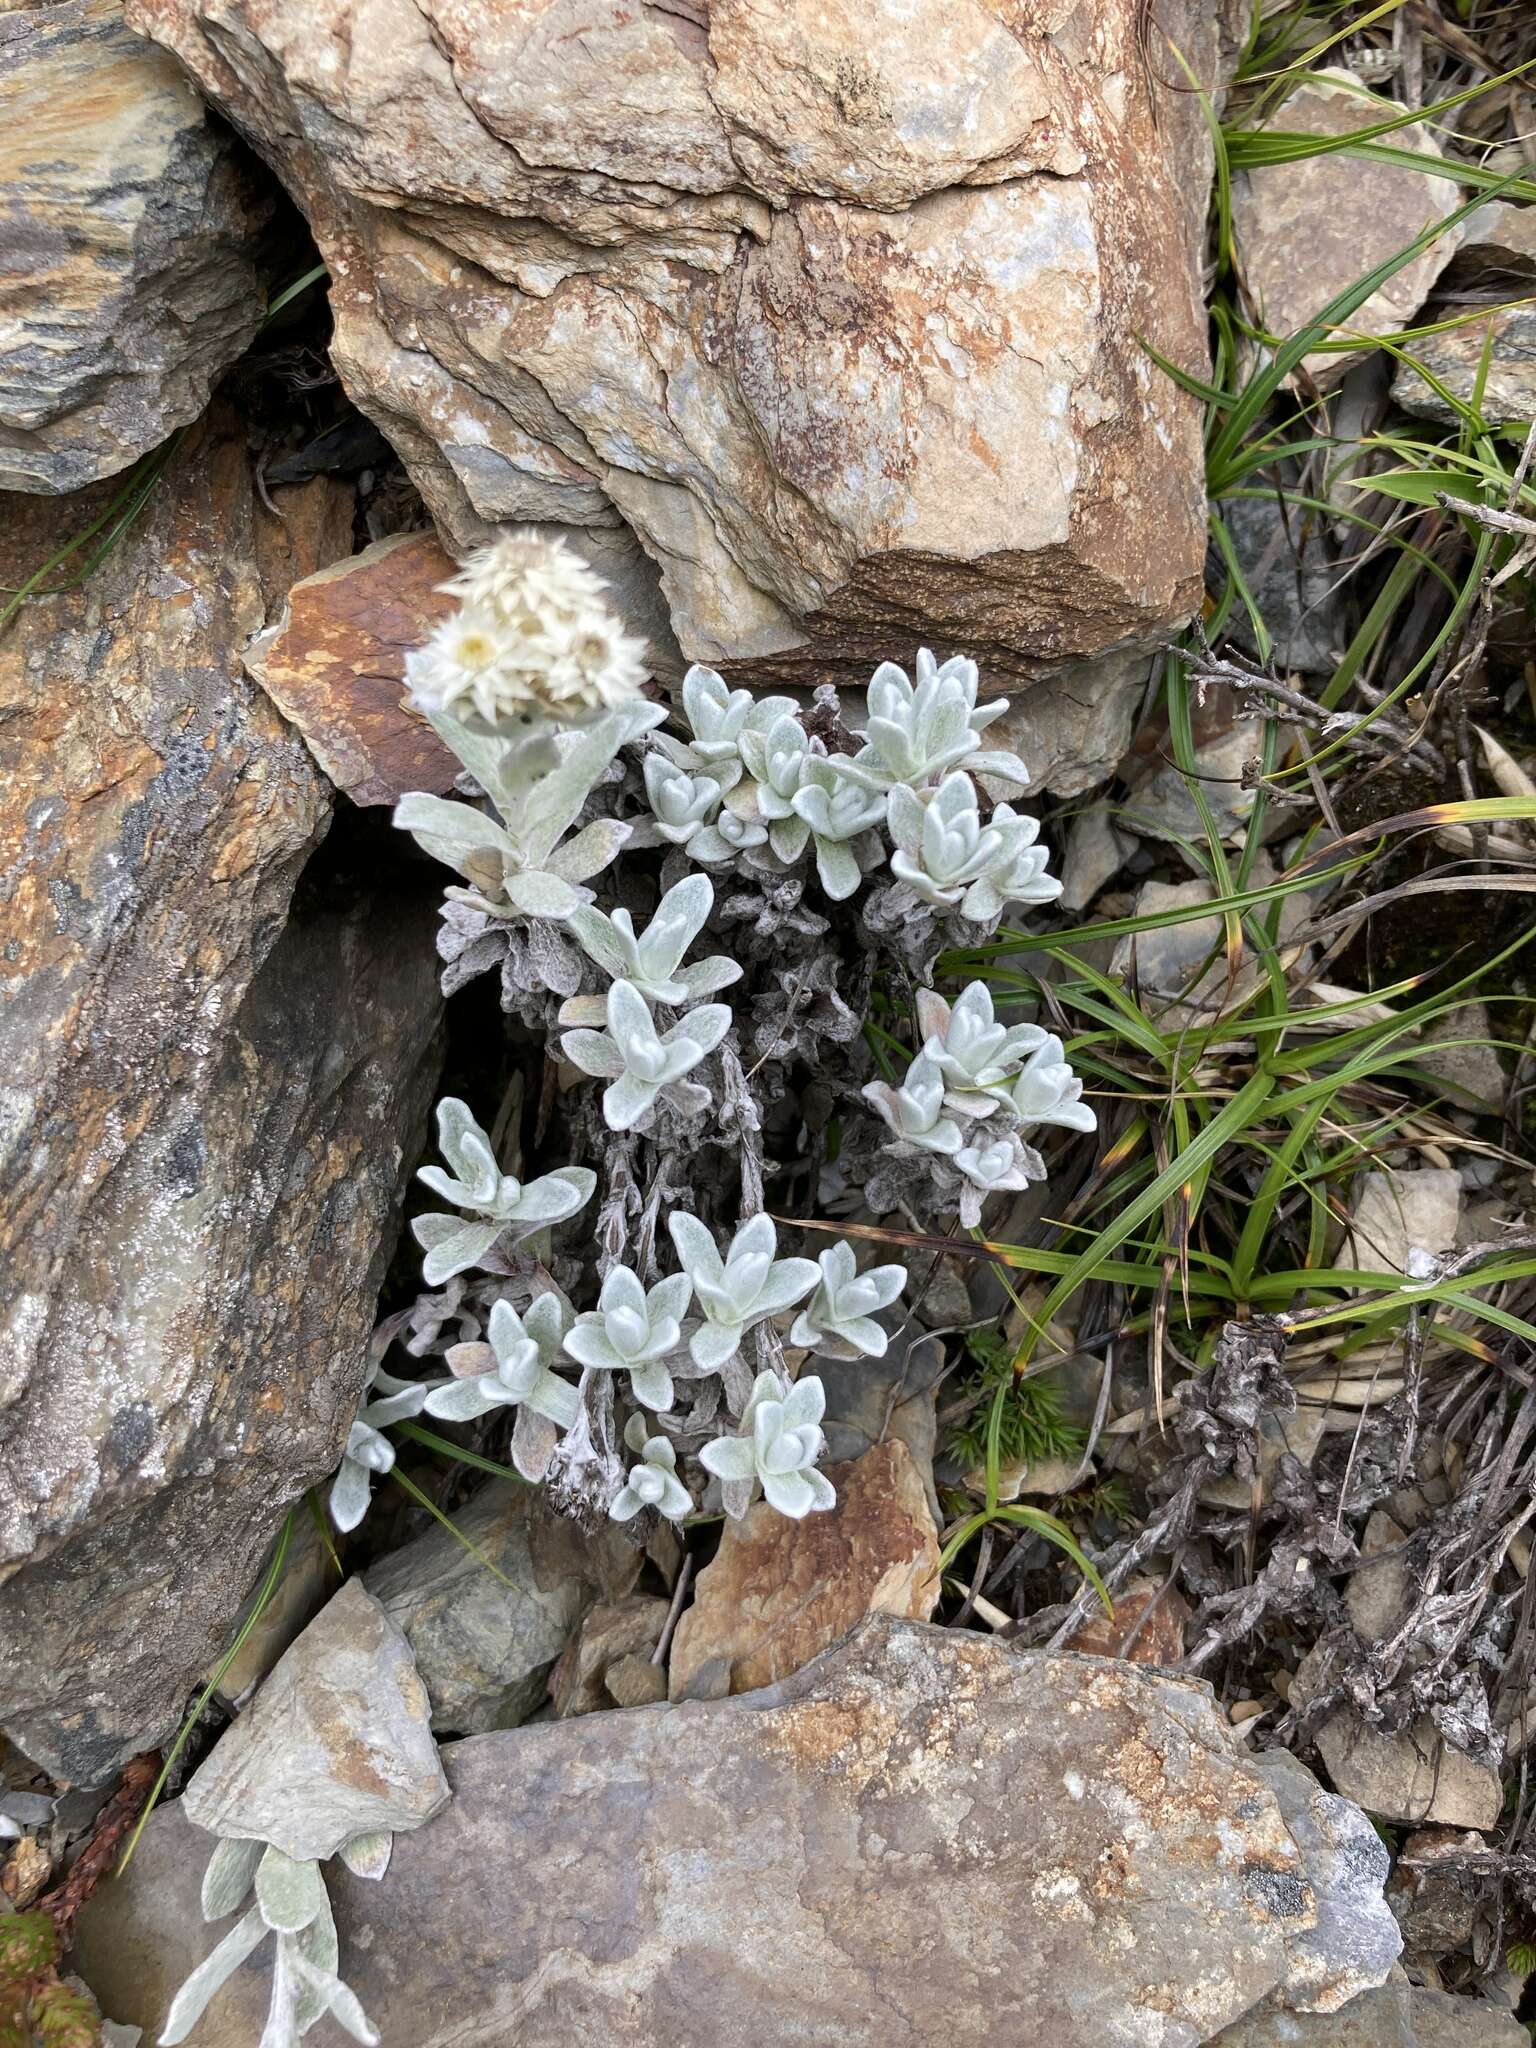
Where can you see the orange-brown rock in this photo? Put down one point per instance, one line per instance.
(208, 1095)
(843, 310)
(130, 225)
(334, 665)
(1147, 1626)
(778, 1592)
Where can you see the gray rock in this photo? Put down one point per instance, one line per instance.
(1289, 573)
(335, 1744)
(844, 326)
(1396, 1214)
(1414, 1776)
(1508, 394)
(923, 1825)
(1094, 854)
(309, 1579)
(1457, 1049)
(612, 1633)
(871, 1399)
(208, 1105)
(1306, 230)
(1440, 1891)
(127, 228)
(484, 1641)
(1381, 1586)
(1352, 1947)
(1397, 2015)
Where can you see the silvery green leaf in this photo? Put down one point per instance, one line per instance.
(503, 764)
(1000, 764)
(455, 833)
(780, 1442)
(708, 977)
(228, 1876)
(317, 1946)
(904, 814)
(590, 850)
(351, 1492)
(540, 894)
(463, 1400)
(594, 1052)
(282, 2028)
(289, 1893)
(838, 867)
(788, 836)
(553, 804)
(452, 1244)
(210, 1976)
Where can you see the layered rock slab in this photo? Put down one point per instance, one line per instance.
(207, 1095)
(839, 310)
(129, 227)
(921, 1834)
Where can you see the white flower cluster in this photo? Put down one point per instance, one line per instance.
(975, 1088)
(751, 781)
(647, 1335)
(534, 638)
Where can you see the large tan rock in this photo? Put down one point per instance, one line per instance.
(128, 224)
(836, 306)
(924, 1837)
(779, 1592)
(207, 1095)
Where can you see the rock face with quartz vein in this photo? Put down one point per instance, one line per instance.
(842, 310)
(921, 1837)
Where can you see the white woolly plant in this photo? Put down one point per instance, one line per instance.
(914, 1109)
(642, 1063)
(1048, 1092)
(500, 1207)
(514, 1369)
(682, 803)
(651, 962)
(720, 721)
(915, 733)
(291, 1903)
(634, 1331)
(837, 813)
(839, 1319)
(534, 685)
(369, 1453)
(781, 1439)
(949, 859)
(750, 1284)
(652, 1481)
(978, 1057)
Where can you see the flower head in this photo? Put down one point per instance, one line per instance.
(780, 1442)
(535, 638)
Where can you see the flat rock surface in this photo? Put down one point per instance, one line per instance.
(1307, 230)
(1505, 386)
(334, 665)
(129, 224)
(835, 308)
(1394, 2016)
(923, 1834)
(335, 1744)
(192, 1257)
(779, 1592)
(484, 1641)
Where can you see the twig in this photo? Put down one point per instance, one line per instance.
(664, 1640)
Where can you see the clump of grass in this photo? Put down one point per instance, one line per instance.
(1034, 1424)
